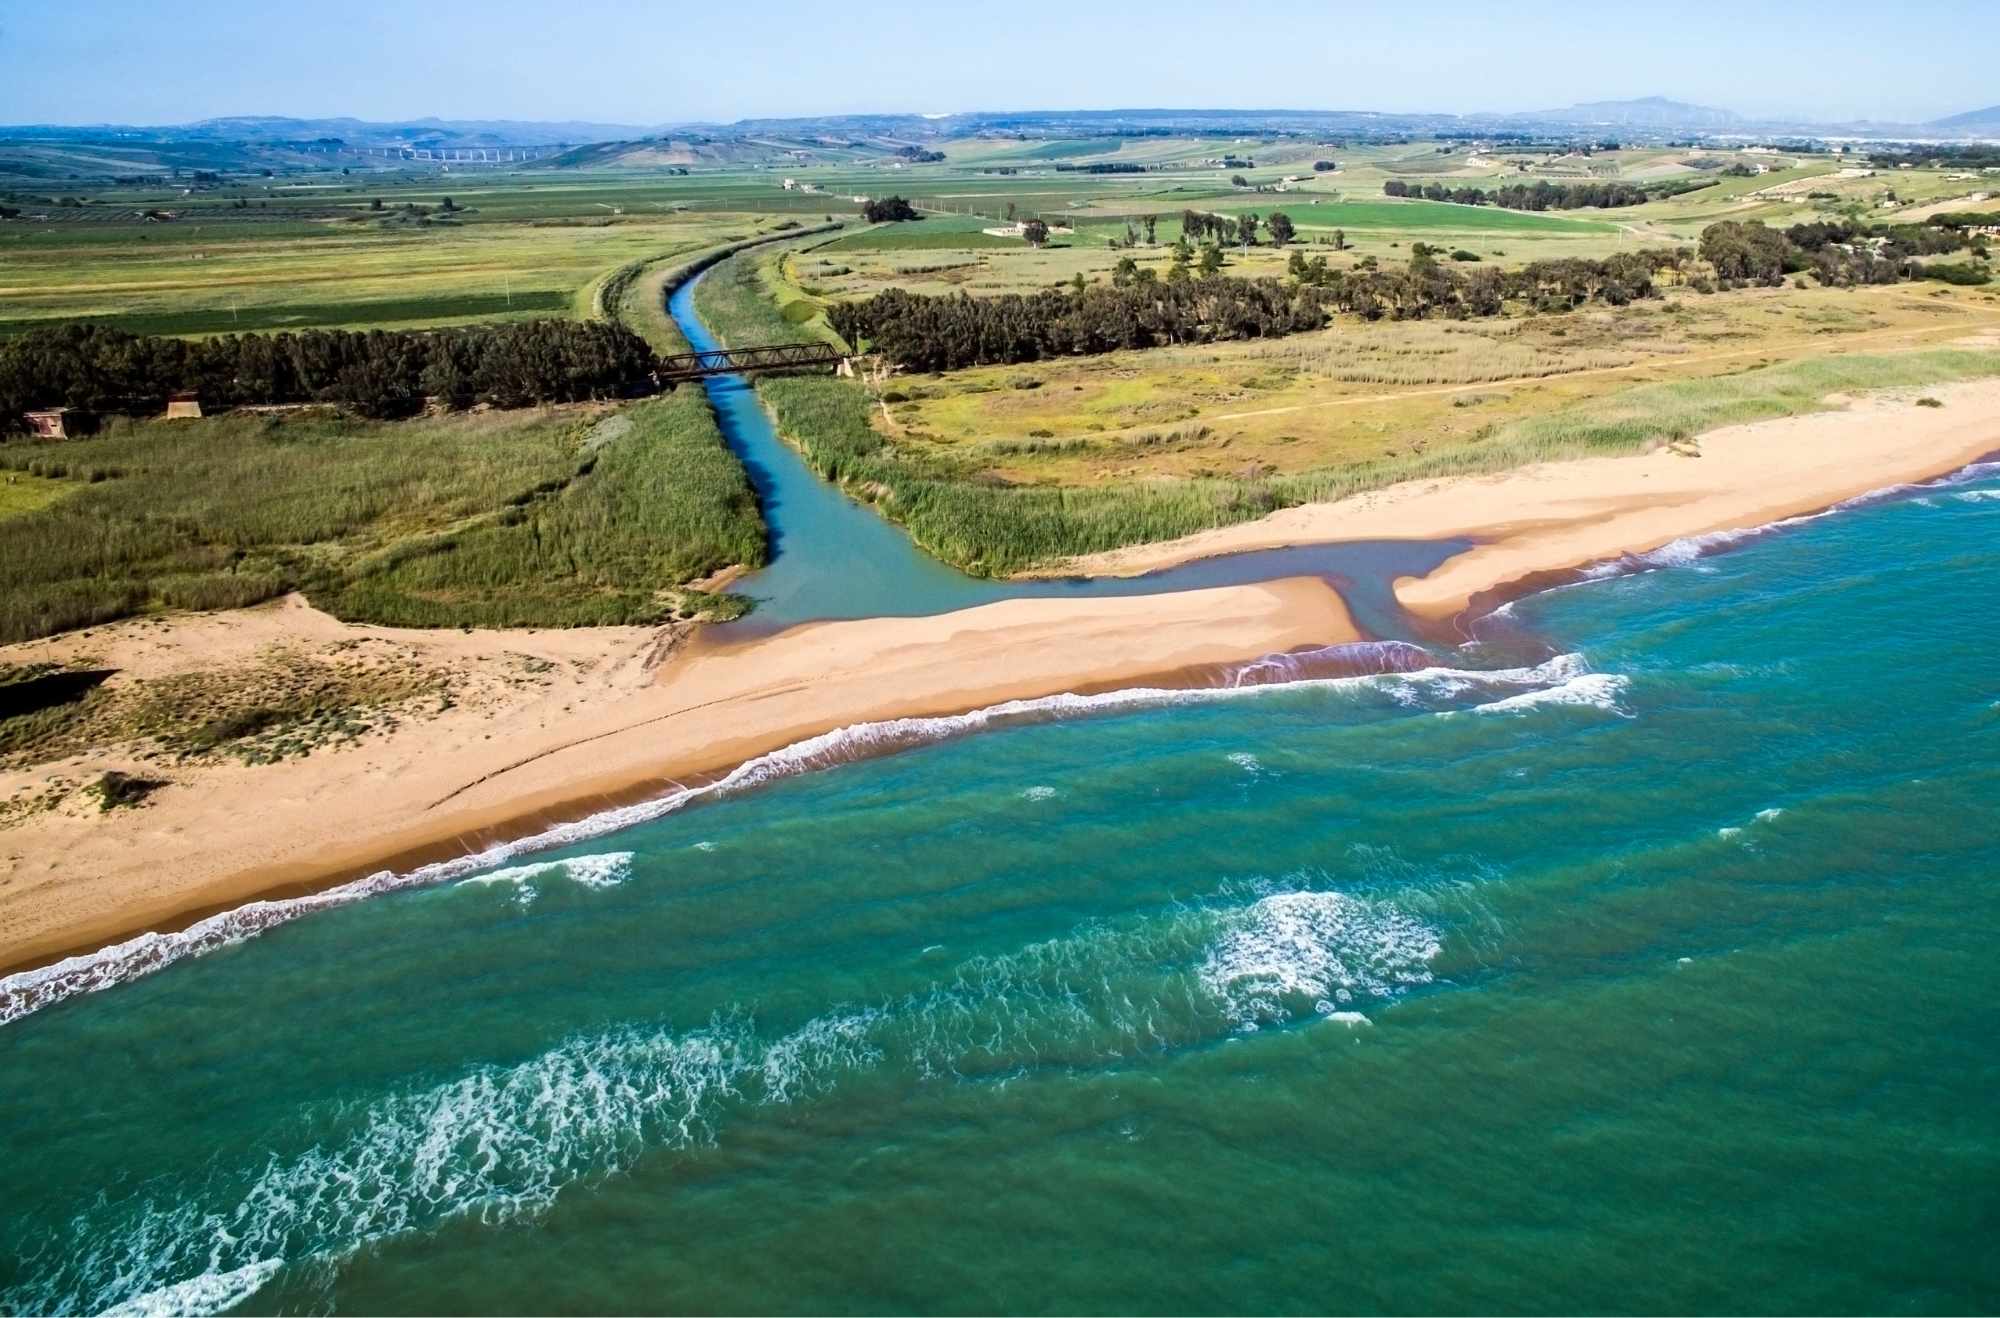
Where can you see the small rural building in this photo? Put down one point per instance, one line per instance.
(57, 423)
(183, 406)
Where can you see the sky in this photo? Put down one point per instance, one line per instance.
(629, 62)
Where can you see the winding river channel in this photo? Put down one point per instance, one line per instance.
(1655, 974)
(832, 557)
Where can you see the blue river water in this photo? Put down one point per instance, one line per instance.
(1636, 955)
(831, 557)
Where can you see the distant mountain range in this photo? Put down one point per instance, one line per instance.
(58, 152)
(279, 130)
(1654, 112)
(1973, 123)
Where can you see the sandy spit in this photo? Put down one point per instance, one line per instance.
(1558, 515)
(609, 715)
(560, 724)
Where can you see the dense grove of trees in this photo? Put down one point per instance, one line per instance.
(1975, 156)
(1202, 226)
(1103, 167)
(378, 373)
(1835, 252)
(1426, 288)
(1543, 195)
(1141, 311)
(945, 333)
(1965, 220)
(888, 208)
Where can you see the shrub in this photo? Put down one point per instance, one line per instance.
(115, 790)
(1962, 274)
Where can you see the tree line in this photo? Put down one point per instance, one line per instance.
(379, 373)
(1140, 310)
(1839, 253)
(946, 333)
(1239, 229)
(1427, 287)
(1965, 220)
(1543, 195)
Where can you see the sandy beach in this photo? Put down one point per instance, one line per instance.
(1558, 515)
(608, 715)
(553, 725)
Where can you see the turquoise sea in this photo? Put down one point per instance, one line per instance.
(1634, 955)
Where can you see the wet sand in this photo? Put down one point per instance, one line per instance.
(620, 714)
(612, 721)
(1559, 515)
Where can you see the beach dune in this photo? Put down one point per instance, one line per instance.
(617, 714)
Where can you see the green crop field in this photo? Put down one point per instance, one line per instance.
(509, 250)
(933, 233)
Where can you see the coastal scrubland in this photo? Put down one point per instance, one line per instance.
(557, 517)
(997, 469)
(1009, 468)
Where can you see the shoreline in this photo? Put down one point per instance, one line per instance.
(631, 715)
(1554, 517)
(232, 834)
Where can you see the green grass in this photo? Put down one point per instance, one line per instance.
(502, 519)
(748, 299)
(440, 309)
(932, 233)
(995, 529)
(22, 493)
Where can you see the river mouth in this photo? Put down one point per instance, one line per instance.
(834, 559)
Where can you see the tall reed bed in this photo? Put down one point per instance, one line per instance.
(502, 519)
(964, 517)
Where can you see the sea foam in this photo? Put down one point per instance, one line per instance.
(605, 871)
(1416, 687)
(501, 1142)
(1315, 947)
(211, 1292)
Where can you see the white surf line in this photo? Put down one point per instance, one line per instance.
(25, 992)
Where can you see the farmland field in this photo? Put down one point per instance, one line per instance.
(507, 251)
(1150, 442)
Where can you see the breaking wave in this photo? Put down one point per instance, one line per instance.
(606, 871)
(1325, 948)
(1691, 549)
(1596, 690)
(211, 1292)
(1392, 671)
(501, 1142)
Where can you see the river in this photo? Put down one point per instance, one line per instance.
(1652, 975)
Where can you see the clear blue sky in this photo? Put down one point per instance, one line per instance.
(626, 61)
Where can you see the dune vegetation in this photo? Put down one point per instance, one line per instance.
(531, 518)
(976, 502)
